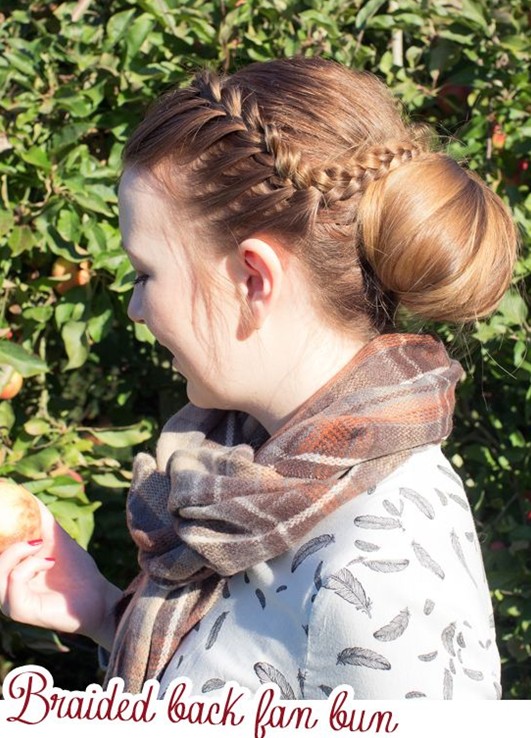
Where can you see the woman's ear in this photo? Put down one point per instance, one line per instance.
(261, 272)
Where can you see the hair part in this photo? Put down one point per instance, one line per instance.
(323, 159)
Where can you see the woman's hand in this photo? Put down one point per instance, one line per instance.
(56, 584)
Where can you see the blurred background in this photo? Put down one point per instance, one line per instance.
(82, 389)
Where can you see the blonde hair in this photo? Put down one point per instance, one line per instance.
(322, 158)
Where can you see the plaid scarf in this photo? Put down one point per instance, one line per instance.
(222, 496)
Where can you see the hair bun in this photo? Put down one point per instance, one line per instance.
(438, 239)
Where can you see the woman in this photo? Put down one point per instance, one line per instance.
(299, 524)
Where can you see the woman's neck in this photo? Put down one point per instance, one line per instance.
(301, 369)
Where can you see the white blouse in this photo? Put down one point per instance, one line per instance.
(388, 594)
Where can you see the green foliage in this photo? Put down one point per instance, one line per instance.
(74, 80)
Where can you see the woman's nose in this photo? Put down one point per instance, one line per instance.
(134, 308)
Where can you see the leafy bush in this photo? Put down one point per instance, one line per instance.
(75, 78)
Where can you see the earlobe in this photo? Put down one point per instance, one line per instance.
(263, 273)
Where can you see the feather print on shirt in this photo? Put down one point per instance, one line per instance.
(214, 632)
(425, 507)
(261, 598)
(363, 657)
(456, 545)
(346, 586)
(395, 628)
(366, 546)
(426, 560)
(267, 674)
(450, 474)
(377, 522)
(390, 508)
(309, 548)
(384, 566)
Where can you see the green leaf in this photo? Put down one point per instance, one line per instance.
(473, 10)
(20, 240)
(382, 22)
(39, 639)
(57, 243)
(75, 517)
(65, 487)
(69, 224)
(516, 44)
(68, 135)
(76, 343)
(367, 11)
(92, 201)
(73, 101)
(85, 525)
(110, 481)
(137, 34)
(7, 416)
(124, 276)
(143, 334)
(118, 24)
(22, 62)
(23, 361)
(513, 308)
(37, 427)
(41, 314)
(37, 464)
(6, 222)
(126, 436)
(37, 156)
(101, 319)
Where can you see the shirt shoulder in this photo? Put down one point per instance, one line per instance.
(404, 608)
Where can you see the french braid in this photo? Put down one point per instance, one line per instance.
(326, 188)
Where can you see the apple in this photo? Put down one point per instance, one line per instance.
(498, 136)
(11, 382)
(20, 516)
(78, 274)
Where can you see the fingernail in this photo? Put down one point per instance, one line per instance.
(36, 542)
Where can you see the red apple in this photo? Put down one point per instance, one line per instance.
(20, 516)
(498, 137)
(11, 382)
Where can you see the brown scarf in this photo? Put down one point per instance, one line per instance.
(222, 496)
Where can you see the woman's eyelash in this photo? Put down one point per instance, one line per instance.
(140, 279)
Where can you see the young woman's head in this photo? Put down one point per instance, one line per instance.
(321, 160)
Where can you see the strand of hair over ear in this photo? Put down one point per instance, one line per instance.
(331, 183)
